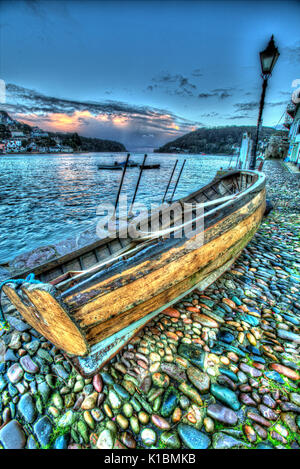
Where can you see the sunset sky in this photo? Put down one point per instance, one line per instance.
(143, 73)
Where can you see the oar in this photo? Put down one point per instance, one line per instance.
(172, 173)
(121, 182)
(137, 184)
(179, 175)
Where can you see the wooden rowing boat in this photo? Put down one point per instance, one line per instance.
(91, 302)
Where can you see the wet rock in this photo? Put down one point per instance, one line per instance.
(222, 414)
(28, 365)
(226, 396)
(170, 402)
(174, 371)
(284, 370)
(15, 373)
(192, 438)
(148, 436)
(170, 440)
(43, 429)
(223, 441)
(105, 440)
(26, 408)
(199, 379)
(12, 435)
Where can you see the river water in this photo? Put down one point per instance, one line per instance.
(47, 198)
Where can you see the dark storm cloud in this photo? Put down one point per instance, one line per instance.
(250, 106)
(108, 119)
(175, 84)
(219, 93)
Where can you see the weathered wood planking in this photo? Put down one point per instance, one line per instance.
(49, 318)
(134, 293)
(137, 285)
(106, 328)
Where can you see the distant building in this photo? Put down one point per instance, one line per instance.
(17, 133)
(66, 149)
(36, 132)
(13, 145)
(293, 124)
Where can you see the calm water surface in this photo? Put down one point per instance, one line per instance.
(47, 198)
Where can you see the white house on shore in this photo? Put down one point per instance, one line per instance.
(293, 124)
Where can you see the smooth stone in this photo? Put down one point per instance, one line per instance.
(222, 414)
(12, 435)
(128, 440)
(287, 335)
(192, 353)
(284, 370)
(121, 391)
(174, 371)
(98, 383)
(31, 443)
(160, 422)
(226, 396)
(105, 440)
(90, 401)
(15, 373)
(170, 440)
(67, 419)
(229, 373)
(17, 324)
(148, 436)
(191, 393)
(223, 441)
(160, 380)
(193, 438)
(44, 355)
(28, 364)
(205, 320)
(26, 408)
(62, 442)
(199, 379)
(114, 400)
(254, 372)
(267, 412)
(43, 429)
(170, 402)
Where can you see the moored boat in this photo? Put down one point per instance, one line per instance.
(92, 301)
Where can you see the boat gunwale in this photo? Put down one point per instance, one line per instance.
(258, 184)
(58, 261)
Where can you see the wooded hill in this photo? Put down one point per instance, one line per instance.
(215, 140)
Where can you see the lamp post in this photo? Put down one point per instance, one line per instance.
(268, 59)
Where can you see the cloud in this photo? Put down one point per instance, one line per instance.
(174, 84)
(240, 116)
(109, 119)
(250, 106)
(221, 93)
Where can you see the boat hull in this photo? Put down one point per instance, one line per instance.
(93, 320)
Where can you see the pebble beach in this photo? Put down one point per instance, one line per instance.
(218, 370)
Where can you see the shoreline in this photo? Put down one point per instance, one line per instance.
(218, 370)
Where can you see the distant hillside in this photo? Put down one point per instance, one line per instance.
(50, 139)
(217, 140)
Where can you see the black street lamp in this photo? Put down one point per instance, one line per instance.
(268, 59)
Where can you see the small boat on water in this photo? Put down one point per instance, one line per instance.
(92, 301)
(119, 166)
(150, 166)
